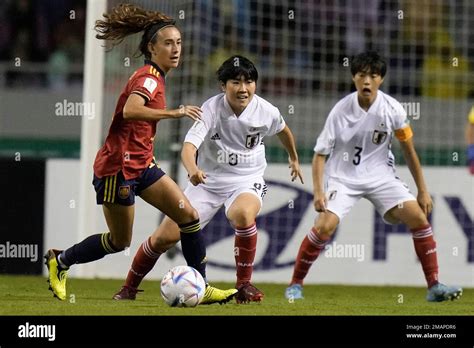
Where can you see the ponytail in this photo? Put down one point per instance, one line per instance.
(127, 19)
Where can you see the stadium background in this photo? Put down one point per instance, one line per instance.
(302, 50)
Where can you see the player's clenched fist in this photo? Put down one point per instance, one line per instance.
(320, 201)
(197, 177)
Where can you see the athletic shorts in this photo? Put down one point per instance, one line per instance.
(384, 195)
(207, 202)
(115, 189)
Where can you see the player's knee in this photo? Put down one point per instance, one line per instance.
(190, 214)
(326, 229)
(242, 217)
(417, 220)
(193, 214)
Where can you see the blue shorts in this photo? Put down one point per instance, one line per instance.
(115, 189)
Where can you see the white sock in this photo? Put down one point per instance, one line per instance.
(61, 264)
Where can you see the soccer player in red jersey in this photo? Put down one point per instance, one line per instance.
(124, 167)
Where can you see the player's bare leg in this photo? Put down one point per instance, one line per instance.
(413, 216)
(242, 214)
(167, 235)
(312, 245)
(119, 219)
(165, 195)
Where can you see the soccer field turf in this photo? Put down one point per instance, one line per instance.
(29, 295)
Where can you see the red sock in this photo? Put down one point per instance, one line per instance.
(309, 251)
(143, 262)
(425, 247)
(245, 246)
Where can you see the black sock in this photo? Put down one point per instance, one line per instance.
(90, 249)
(194, 249)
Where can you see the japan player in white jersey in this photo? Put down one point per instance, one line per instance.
(357, 138)
(228, 171)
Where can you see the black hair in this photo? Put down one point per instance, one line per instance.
(368, 62)
(235, 67)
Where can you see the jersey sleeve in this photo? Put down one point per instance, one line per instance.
(146, 85)
(197, 133)
(401, 124)
(327, 138)
(399, 117)
(278, 123)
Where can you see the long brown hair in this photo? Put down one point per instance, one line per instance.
(127, 19)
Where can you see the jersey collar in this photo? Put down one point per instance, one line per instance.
(149, 62)
(372, 109)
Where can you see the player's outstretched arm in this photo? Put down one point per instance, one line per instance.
(135, 110)
(288, 141)
(319, 199)
(188, 156)
(423, 197)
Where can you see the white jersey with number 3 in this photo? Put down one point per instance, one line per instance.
(359, 142)
(230, 148)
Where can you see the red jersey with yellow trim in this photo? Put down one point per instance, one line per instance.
(129, 144)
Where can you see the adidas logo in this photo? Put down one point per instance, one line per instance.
(431, 251)
(309, 262)
(216, 137)
(244, 264)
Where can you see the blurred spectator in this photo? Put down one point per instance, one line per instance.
(5, 30)
(445, 73)
(361, 25)
(470, 140)
(58, 69)
(22, 43)
(67, 49)
(410, 46)
(46, 31)
(229, 45)
(22, 16)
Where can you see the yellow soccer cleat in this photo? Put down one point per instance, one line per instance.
(56, 278)
(215, 295)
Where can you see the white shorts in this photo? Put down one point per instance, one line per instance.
(207, 202)
(384, 195)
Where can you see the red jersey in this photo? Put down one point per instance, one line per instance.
(129, 144)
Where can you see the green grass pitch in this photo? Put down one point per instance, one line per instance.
(29, 295)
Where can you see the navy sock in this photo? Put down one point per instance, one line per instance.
(194, 249)
(90, 249)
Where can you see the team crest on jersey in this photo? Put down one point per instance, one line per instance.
(124, 192)
(252, 140)
(379, 137)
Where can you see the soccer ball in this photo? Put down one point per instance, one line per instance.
(183, 286)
